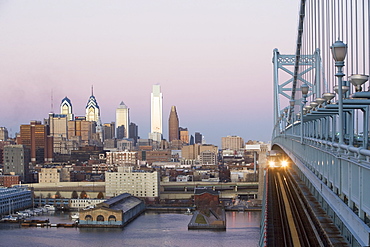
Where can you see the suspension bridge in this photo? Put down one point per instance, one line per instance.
(321, 123)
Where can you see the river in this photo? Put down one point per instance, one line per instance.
(149, 229)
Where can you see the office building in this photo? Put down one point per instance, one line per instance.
(134, 132)
(66, 108)
(198, 138)
(16, 161)
(184, 135)
(3, 134)
(93, 114)
(173, 125)
(232, 142)
(122, 119)
(57, 125)
(35, 136)
(109, 130)
(156, 114)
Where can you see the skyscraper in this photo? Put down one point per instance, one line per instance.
(92, 108)
(156, 113)
(134, 132)
(122, 119)
(198, 138)
(66, 108)
(35, 137)
(93, 114)
(173, 125)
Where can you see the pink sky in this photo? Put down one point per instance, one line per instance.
(212, 59)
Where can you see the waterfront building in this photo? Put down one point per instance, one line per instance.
(3, 134)
(122, 119)
(156, 114)
(198, 138)
(138, 183)
(35, 137)
(232, 142)
(114, 212)
(14, 199)
(84, 203)
(173, 125)
(66, 108)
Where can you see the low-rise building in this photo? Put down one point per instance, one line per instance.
(114, 212)
(15, 198)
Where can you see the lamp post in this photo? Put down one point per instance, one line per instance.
(304, 90)
(339, 52)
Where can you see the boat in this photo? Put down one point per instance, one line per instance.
(75, 216)
(50, 207)
(188, 212)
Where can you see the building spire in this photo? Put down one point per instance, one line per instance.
(92, 90)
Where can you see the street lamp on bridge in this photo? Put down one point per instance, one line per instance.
(339, 52)
(304, 90)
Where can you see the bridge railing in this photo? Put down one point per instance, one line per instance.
(338, 175)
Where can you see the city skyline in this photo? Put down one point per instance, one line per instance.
(211, 62)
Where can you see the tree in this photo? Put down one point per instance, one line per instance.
(100, 195)
(83, 194)
(58, 195)
(74, 195)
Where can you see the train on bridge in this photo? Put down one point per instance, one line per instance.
(277, 158)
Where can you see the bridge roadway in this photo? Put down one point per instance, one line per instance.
(292, 215)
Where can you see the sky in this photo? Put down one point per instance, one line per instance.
(212, 58)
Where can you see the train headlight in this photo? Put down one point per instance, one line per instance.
(272, 163)
(284, 163)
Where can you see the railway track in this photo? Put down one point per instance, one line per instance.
(289, 222)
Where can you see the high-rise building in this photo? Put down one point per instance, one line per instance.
(232, 142)
(134, 132)
(81, 130)
(173, 125)
(66, 108)
(109, 130)
(16, 161)
(184, 135)
(3, 134)
(57, 124)
(36, 137)
(191, 140)
(156, 113)
(93, 114)
(123, 119)
(198, 138)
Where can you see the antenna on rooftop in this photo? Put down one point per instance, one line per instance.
(51, 102)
